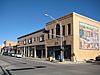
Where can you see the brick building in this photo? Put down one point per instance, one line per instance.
(71, 37)
(80, 34)
(32, 44)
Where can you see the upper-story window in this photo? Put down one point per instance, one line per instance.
(41, 38)
(63, 30)
(34, 39)
(52, 33)
(17, 41)
(37, 38)
(30, 40)
(69, 29)
(24, 42)
(57, 30)
(48, 34)
(9, 44)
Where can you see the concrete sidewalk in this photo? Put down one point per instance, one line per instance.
(53, 62)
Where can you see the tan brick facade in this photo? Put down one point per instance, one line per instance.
(74, 38)
(82, 54)
(67, 30)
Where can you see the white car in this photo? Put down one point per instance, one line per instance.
(13, 55)
(19, 55)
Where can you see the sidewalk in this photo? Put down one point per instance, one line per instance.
(53, 62)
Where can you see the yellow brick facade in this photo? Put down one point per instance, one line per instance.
(74, 38)
(79, 53)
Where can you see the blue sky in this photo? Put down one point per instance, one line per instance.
(19, 17)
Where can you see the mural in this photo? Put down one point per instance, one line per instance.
(88, 36)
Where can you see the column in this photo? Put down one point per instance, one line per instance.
(28, 51)
(24, 52)
(41, 53)
(62, 56)
(32, 54)
(45, 51)
(53, 55)
(34, 51)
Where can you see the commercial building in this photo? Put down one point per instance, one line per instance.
(71, 37)
(80, 37)
(32, 44)
(9, 47)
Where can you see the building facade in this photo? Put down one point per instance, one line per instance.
(9, 47)
(32, 45)
(71, 37)
(80, 37)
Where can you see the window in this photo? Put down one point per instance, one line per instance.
(24, 42)
(48, 34)
(18, 41)
(69, 29)
(57, 29)
(30, 40)
(52, 33)
(63, 27)
(64, 43)
(37, 38)
(41, 38)
(10, 44)
(34, 39)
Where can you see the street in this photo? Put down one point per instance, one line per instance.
(24, 66)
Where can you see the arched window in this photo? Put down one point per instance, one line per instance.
(57, 29)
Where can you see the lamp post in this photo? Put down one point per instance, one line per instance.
(61, 36)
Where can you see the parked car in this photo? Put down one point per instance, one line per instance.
(13, 54)
(97, 58)
(5, 53)
(90, 61)
(19, 55)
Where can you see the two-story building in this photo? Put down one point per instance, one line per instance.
(71, 37)
(32, 44)
(8, 46)
(78, 35)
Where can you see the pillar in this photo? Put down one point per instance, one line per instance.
(41, 53)
(34, 51)
(62, 56)
(24, 52)
(28, 51)
(46, 51)
(53, 55)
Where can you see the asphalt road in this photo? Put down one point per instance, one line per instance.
(21, 66)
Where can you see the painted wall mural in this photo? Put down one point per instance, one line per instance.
(88, 36)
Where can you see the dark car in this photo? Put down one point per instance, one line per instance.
(5, 53)
(97, 58)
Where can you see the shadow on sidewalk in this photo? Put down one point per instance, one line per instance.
(35, 67)
(7, 72)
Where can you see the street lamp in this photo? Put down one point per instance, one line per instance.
(61, 36)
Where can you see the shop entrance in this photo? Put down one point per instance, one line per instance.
(40, 53)
(67, 52)
(57, 54)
